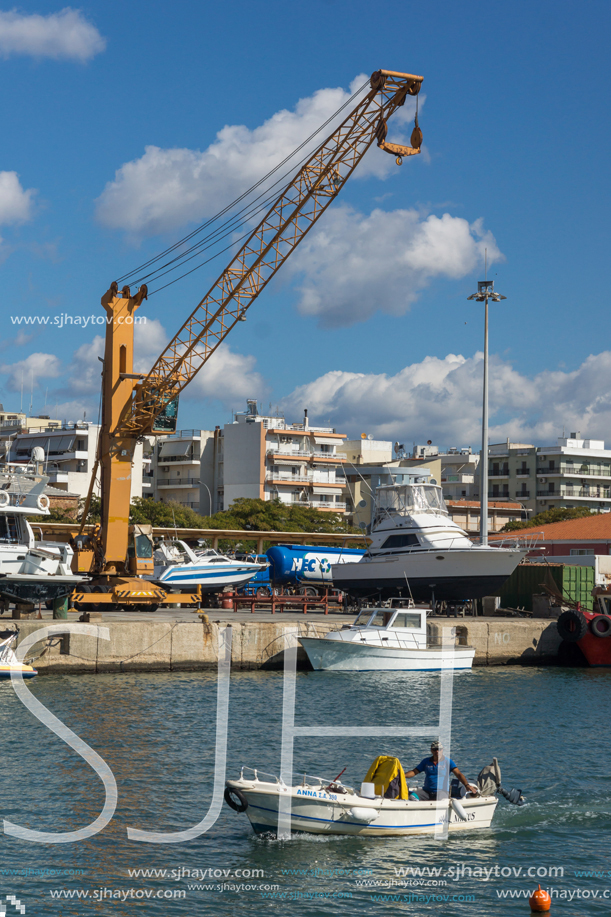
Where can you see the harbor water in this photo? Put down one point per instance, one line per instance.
(547, 726)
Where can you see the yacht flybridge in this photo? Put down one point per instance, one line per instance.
(418, 551)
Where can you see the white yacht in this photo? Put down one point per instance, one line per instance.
(31, 571)
(418, 551)
(176, 564)
(385, 640)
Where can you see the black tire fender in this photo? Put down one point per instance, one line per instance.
(600, 626)
(572, 626)
(231, 794)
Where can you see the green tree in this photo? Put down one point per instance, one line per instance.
(558, 514)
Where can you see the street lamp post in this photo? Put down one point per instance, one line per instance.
(209, 495)
(485, 291)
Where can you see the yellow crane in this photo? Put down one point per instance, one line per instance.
(119, 557)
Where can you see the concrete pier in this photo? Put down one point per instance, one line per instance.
(189, 645)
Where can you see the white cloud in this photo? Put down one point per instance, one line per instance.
(15, 203)
(354, 265)
(440, 399)
(30, 371)
(167, 188)
(66, 34)
(227, 376)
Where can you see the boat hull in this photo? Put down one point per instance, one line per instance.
(26, 671)
(440, 576)
(210, 580)
(317, 812)
(345, 656)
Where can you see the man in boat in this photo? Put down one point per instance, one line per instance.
(436, 768)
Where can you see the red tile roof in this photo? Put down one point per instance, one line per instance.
(588, 528)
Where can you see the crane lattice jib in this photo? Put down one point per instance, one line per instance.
(290, 217)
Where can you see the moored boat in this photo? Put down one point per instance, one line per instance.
(386, 639)
(8, 660)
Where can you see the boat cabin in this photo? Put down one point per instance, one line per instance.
(391, 625)
(407, 499)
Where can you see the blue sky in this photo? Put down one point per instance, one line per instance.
(514, 113)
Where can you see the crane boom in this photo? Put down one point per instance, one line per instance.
(121, 558)
(288, 220)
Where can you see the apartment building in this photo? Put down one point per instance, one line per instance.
(260, 456)
(69, 448)
(265, 457)
(172, 469)
(575, 472)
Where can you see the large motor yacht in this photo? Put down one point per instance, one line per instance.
(418, 551)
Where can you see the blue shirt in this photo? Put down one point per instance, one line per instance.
(434, 773)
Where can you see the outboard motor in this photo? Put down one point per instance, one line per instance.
(489, 783)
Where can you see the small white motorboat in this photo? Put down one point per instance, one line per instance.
(8, 660)
(176, 564)
(386, 639)
(320, 806)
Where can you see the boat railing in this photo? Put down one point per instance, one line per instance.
(308, 780)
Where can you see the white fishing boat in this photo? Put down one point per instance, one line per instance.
(417, 549)
(176, 564)
(8, 660)
(386, 639)
(320, 806)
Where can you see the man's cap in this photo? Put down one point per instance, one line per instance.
(436, 746)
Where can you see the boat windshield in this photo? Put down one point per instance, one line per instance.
(410, 498)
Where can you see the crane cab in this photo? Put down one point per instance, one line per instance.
(140, 550)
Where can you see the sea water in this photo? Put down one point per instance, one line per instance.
(548, 727)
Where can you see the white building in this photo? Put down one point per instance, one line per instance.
(70, 451)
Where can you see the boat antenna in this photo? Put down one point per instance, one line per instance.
(409, 588)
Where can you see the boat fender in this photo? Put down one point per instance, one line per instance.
(600, 626)
(458, 808)
(5, 498)
(235, 799)
(43, 501)
(572, 626)
(360, 813)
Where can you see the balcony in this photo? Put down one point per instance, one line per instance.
(286, 452)
(577, 471)
(524, 495)
(288, 478)
(584, 493)
(498, 473)
(331, 456)
(178, 482)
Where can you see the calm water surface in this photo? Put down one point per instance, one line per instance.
(548, 727)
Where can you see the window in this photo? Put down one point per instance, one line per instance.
(381, 619)
(8, 530)
(408, 621)
(581, 552)
(144, 546)
(401, 541)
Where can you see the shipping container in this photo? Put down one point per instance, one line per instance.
(573, 582)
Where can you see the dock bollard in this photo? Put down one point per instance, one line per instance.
(540, 900)
(60, 608)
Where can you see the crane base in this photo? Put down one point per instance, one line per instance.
(129, 593)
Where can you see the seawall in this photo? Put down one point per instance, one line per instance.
(150, 646)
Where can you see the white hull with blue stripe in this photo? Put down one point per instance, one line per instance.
(317, 809)
(183, 568)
